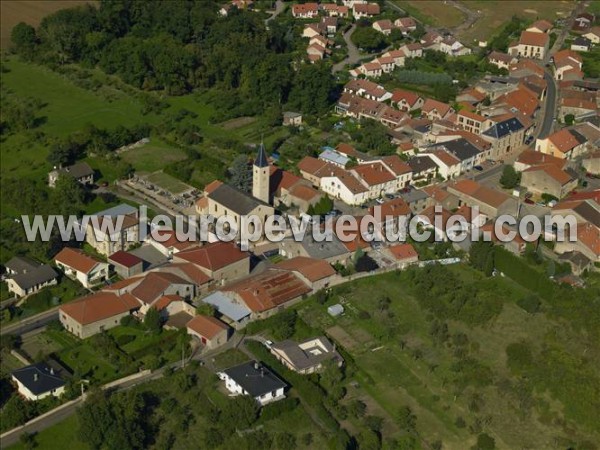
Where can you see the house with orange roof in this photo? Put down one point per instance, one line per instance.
(522, 100)
(540, 26)
(490, 202)
(530, 45)
(345, 185)
(362, 10)
(317, 273)
(305, 10)
(593, 34)
(530, 158)
(406, 25)
(501, 60)
(96, 313)
(587, 243)
(222, 261)
(566, 144)
(403, 254)
(289, 189)
(525, 67)
(210, 331)
(166, 242)
(391, 218)
(155, 285)
(384, 26)
(126, 264)
(81, 267)
(406, 100)
(470, 121)
(434, 109)
(549, 179)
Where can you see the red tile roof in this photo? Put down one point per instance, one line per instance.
(403, 251)
(76, 259)
(374, 174)
(269, 289)
(125, 259)
(534, 39)
(311, 268)
(206, 326)
(214, 256)
(563, 140)
(99, 306)
(396, 207)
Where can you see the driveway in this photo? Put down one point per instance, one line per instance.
(353, 53)
(279, 7)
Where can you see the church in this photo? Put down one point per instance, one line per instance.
(221, 199)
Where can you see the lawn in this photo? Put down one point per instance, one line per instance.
(152, 156)
(434, 13)
(60, 436)
(496, 13)
(168, 183)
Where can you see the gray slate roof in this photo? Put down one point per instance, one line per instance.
(77, 170)
(227, 306)
(261, 158)
(39, 275)
(38, 378)
(21, 264)
(120, 210)
(504, 128)
(255, 378)
(420, 164)
(461, 148)
(235, 200)
(312, 356)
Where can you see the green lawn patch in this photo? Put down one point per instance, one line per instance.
(61, 436)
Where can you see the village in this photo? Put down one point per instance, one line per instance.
(523, 139)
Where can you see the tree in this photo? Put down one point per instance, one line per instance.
(206, 309)
(24, 39)
(484, 442)
(240, 173)
(510, 177)
(368, 38)
(27, 440)
(152, 321)
(15, 412)
(67, 197)
(406, 419)
(569, 119)
(285, 441)
(366, 264)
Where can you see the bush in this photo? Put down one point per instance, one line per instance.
(125, 339)
(530, 303)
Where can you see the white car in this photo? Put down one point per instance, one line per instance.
(380, 201)
(268, 344)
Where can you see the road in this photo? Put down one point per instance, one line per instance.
(31, 323)
(353, 53)
(279, 7)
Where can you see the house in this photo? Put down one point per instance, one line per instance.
(80, 171)
(383, 26)
(581, 44)
(38, 381)
(398, 56)
(314, 272)
(306, 357)
(305, 10)
(540, 26)
(332, 251)
(583, 22)
(126, 264)
(329, 24)
(422, 166)
(525, 67)
(501, 60)
(403, 254)
(566, 144)
(530, 158)
(567, 65)
(406, 25)
(406, 100)
(367, 89)
(452, 47)
(256, 380)
(165, 240)
(26, 276)
(221, 261)
(591, 163)
(291, 118)
(312, 29)
(593, 35)
(470, 121)
(434, 109)
(449, 166)
(471, 96)
(333, 10)
(157, 284)
(521, 100)
(211, 332)
(490, 202)
(390, 218)
(115, 229)
(530, 45)
(85, 269)
(413, 50)
(549, 179)
(96, 313)
(361, 10)
(587, 242)
(292, 191)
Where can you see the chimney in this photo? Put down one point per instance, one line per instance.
(51, 371)
(35, 377)
(256, 365)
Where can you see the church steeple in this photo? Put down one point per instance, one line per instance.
(260, 175)
(261, 158)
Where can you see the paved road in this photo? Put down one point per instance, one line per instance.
(31, 323)
(279, 7)
(353, 53)
(547, 119)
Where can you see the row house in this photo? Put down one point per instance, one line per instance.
(434, 109)
(333, 10)
(470, 121)
(407, 100)
(305, 10)
(506, 134)
(571, 142)
(384, 26)
(367, 89)
(501, 60)
(530, 45)
(365, 10)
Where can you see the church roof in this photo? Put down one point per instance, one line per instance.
(261, 158)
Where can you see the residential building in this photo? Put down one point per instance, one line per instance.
(126, 264)
(549, 179)
(26, 276)
(593, 35)
(406, 25)
(434, 109)
(501, 60)
(96, 313)
(256, 380)
(305, 10)
(314, 272)
(406, 100)
(85, 269)
(221, 261)
(530, 45)
(540, 26)
(470, 121)
(403, 254)
(581, 44)
(210, 331)
(506, 134)
(81, 172)
(567, 143)
(383, 26)
(361, 10)
(291, 118)
(490, 202)
(38, 381)
(306, 357)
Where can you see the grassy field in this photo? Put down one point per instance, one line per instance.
(60, 436)
(496, 13)
(168, 183)
(152, 156)
(434, 13)
(31, 12)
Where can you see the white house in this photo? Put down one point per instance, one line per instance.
(38, 381)
(254, 379)
(85, 269)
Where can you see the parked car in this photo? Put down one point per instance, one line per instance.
(380, 201)
(528, 140)
(478, 168)
(268, 344)
(529, 201)
(390, 196)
